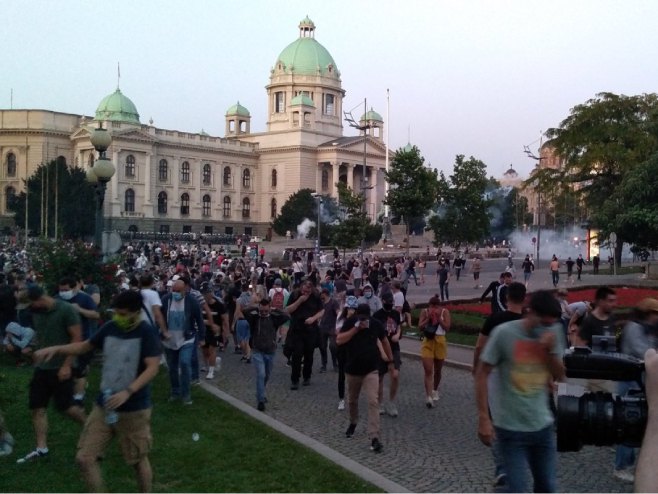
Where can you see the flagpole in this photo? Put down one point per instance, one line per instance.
(27, 190)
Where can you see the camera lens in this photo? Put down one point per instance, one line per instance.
(600, 419)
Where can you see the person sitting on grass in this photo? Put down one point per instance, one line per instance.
(19, 342)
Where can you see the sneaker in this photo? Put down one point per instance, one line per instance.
(382, 409)
(323, 369)
(79, 402)
(6, 444)
(350, 430)
(306, 382)
(429, 403)
(187, 401)
(376, 446)
(247, 360)
(261, 406)
(500, 480)
(392, 409)
(626, 475)
(211, 373)
(435, 395)
(32, 456)
(294, 386)
(341, 405)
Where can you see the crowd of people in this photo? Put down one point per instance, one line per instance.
(184, 306)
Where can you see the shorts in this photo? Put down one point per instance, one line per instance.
(81, 368)
(212, 339)
(242, 330)
(436, 349)
(476, 275)
(133, 430)
(397, 362)
(44, 385)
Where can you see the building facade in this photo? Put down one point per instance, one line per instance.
(173, 181)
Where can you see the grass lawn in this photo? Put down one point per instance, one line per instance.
(234, 453)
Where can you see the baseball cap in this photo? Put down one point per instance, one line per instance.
(278, 282)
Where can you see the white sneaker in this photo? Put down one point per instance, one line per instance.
(392, 409)
(435, 395)
(341, 405)
(625, 475)
(211, 373)
(382, 409)
(429, 403)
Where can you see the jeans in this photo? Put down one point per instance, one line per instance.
(536, 450)
(194, 373)
(328, 339)
(303, 342)
(443, 289)
(180, 384)
(625, 455)
(556, 277)
(263, 364)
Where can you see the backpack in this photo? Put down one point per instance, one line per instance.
(278, 299)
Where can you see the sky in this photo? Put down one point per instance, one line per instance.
(478, 78)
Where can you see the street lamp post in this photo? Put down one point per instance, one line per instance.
(317, 240)
(100, 174)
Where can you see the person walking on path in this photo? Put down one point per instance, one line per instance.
(580, 262)
(475, 269)
(390, 318)
(349, 311)
(443, 275)
(365, 345)
(528, 267)
(434, 321)
(554, 267)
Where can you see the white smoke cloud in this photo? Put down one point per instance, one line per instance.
(304, 227)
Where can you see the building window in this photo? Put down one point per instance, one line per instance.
(207, 229)
(129, 201)
(274, 179)
(227, 207)
(227, 176)
(185, 172)
(164, 228)
(246, 207)
(10, 197)
(328, 104)
(11, 165)
(185, 204)
(273, 208)
(246, 179)
(163, 169)
(228, 230)
(162, 203)
(206, 205)
(90, 160)
(279, 102)
(206, 174)
(130, 164)
(325, 180)
(187, 228)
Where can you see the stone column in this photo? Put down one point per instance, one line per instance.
(335, 176)
(350, 175)
(147, 180)
(115, 178)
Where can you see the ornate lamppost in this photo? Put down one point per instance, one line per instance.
(100, 174)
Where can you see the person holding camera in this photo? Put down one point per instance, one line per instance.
(638, 336)
(646, 479)
(528, 355)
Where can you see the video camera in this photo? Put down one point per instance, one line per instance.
(599, 418)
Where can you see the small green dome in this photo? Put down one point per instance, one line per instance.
(408, 148)
(305, 56)
(117, 108)
(372, 115)
(302, 99)
(237, 109)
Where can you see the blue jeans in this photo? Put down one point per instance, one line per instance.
(536, 450)
(180, 384)
(194, 373)
(556, 277)
(263, 363)
(625, 455)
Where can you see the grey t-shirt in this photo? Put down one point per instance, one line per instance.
(523, 375)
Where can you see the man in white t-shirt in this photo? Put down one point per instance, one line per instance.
(398, 296)
(152, 305)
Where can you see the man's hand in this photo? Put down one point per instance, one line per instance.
(303, 298)
(44, 355)
(651, 369)
(309, 320)
(64, 373)
(486, 432)
(117, 399)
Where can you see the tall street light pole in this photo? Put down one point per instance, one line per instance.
(101, 173)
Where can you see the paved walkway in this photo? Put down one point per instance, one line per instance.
(425, 450)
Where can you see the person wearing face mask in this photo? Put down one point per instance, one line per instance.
(264, 322)
(89, 316)
(368, 297)
(528, 355)
(435, 323)
(183, 317)
(389, 316)
(56, 323)
(131, 356)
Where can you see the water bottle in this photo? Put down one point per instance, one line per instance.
(218, 363)
(111, 416)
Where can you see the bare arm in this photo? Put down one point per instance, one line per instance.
(78, 348)
(479, 346)
(75, 333)
(152, 365)
(645, 476)
(445, 319)
(485, 427)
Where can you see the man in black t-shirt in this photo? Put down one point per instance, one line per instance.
(217, 329)
(390, 318)
(600, 321)
(364, 339)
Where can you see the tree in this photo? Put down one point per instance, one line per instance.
(601, 141)
(75, 204)
(299, 205)
(508, 211)
(413, 187)
(353, 227)
(463, 216)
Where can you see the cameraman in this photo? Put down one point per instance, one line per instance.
(646, 479)
(638, 336)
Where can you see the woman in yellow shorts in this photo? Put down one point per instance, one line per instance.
(433, 350)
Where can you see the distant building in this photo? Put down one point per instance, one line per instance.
(173, 181)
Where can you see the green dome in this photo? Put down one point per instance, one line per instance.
(302, 99)
(305, 56)
(238, 109)
(372, 115)
(117, 108)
